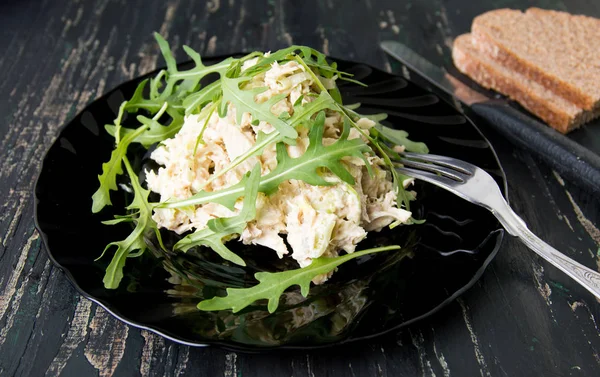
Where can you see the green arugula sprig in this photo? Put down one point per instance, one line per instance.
(110, 170)
(155, 132)
(179, 84)
(160, 105)
(272, 284)
(142, 216)
(244, 101)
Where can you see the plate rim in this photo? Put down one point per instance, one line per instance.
(253, 348)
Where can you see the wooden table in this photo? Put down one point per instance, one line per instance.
(523, 318)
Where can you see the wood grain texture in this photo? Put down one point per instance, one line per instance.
(522, 318)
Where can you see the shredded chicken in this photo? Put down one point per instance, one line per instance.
(318, 220)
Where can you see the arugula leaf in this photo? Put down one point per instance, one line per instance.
(181, 83)
(135, 241)
(110, 170)
(303, 168)
(118, 220)
(137, 101)
(323, 68)
(400, 137)
(219, 228)
(200, 98)
(272, 284)
(154, 132)
(244, 102)
(302, 113)
(317, 155)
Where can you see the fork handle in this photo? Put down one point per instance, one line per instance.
(587, 277)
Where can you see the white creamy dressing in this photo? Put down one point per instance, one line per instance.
(318, 220)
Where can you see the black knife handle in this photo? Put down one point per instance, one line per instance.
(570, 159)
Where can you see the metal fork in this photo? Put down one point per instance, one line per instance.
(477, 186)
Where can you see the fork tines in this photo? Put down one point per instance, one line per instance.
(415, 163)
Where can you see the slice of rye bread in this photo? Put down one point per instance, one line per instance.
(556, 49)
(558, 112)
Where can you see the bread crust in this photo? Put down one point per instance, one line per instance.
(485, 31)
(559, 113)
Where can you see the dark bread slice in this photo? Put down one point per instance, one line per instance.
(558, 112)
(555, 49)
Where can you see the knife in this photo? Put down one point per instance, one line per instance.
(564, 155)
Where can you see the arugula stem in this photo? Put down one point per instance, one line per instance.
(161, 111)
(199, 139)
(118, 122)
(180, 75)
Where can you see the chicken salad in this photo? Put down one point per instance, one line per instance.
(268, 155)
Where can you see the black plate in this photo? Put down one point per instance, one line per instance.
(367, 297)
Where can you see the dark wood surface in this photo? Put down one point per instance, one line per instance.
(523, 318)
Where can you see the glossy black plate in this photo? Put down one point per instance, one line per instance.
(367, 297)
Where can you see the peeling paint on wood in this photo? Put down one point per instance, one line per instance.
(542, 287)
(441, 360)
(17, 212)
(577, 304)
(483, 371)
(169, 15)
(230, 365)
(181, 366)
(212, 45)
(309, 367)
(424, 362)
(8, 291)
(76, 334)
(106, 346)
(589, 226)
(152, 352)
